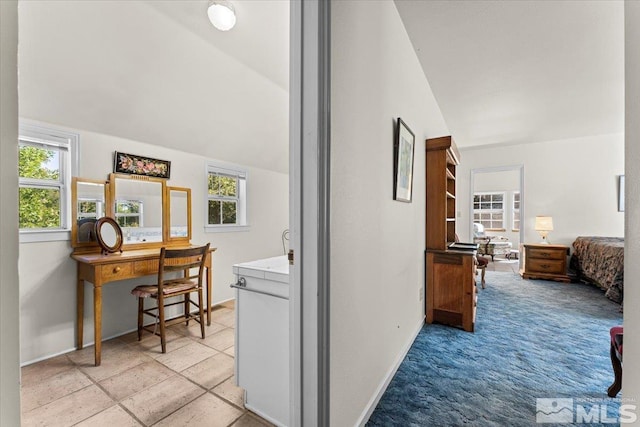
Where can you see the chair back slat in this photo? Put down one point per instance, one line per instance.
(183, 260)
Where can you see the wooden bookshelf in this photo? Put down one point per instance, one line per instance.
(451, 291)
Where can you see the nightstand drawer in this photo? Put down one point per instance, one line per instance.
(546, 266)
(546, 253)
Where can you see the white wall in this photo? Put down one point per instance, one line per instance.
(631, 377)
(47, 288)
(9, 317)
(575, 181)
(377, 244)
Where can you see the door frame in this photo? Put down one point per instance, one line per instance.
(309, 173)
(508, 168)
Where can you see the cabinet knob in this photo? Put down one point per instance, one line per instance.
(545, 266)
(116, 269)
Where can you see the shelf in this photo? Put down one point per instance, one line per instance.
(451, 219)
(450, 196)
(450, 175)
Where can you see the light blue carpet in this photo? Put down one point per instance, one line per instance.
(533, 339)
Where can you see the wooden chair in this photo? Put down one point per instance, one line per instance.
(616, 334)
(172, 263)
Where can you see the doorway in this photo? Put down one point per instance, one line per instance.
(497, 203)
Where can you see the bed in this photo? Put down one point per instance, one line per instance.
(600, 260)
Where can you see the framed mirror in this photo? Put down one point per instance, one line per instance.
(109, 235)
(90, 201)
(138, 208)
(178, 215)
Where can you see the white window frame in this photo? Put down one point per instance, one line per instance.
(67, 144)
(139, 214)
(241, 175)
(490, 211)
(515, 210)
(99, 208)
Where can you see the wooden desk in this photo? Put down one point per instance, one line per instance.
(102, 269)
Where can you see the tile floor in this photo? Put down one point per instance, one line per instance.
(191, 384)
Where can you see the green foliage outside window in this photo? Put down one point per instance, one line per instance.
(128, 213)
(39, 206)
(223, 209)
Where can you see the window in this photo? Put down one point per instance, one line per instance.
(89, 208)
(46, 158)
(488, 210)
(516, 211)
(129, 213)
(226, 199)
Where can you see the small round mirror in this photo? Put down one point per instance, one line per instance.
(109, 235)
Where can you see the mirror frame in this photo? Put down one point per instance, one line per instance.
(74, 210)
(106, 248)
(163, 193)
(167, 219)
(110, 195)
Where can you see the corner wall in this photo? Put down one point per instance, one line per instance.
(575, 181)
(377, 244)
(631, 377)
(47, 293)
(9, 291)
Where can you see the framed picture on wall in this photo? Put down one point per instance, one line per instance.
(404, 145)
(133, 164)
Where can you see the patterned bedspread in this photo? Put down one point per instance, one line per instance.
(600, 260)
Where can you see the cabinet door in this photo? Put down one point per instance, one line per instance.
(451, 289)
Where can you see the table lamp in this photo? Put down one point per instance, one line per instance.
(544, 224)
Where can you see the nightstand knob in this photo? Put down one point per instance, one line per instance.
(117, 269)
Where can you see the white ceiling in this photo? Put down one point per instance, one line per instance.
(158, 72)
(510, 72)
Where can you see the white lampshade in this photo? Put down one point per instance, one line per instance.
(222, 15)
(544, 223)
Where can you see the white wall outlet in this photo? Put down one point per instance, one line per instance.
(421, 293)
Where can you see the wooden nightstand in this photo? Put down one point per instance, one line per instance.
(544, 262)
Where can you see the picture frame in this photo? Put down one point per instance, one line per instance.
(621, 193)
(133, 164)
(403, 153)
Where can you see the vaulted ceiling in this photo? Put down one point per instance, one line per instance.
(511, 72)
(159, 72)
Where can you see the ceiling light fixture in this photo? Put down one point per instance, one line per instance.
(222, 14)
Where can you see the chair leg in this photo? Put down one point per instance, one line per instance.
(614, 388)
(140, 316)
(201, 310)
(163, 340)
(482, 276)
(186, 308)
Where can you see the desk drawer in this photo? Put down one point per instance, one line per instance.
(120, 271)
(545, 266)
(143, 268)
(546, 254)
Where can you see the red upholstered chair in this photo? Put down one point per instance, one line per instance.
(616, 360)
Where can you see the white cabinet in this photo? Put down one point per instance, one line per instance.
(262, 337)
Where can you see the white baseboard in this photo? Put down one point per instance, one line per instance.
(373, 402)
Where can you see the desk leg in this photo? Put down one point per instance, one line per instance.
(80, 312)
(209, 295)
(97, 322)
